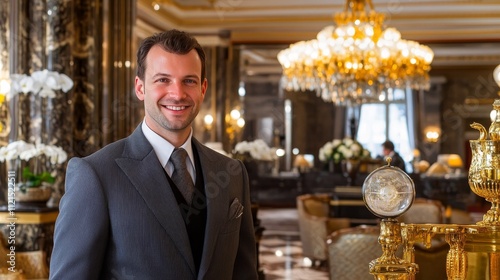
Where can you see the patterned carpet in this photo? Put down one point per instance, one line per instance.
(280, 250)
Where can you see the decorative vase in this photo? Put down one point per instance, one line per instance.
(38, 194)
(334, 167)
(350, 168)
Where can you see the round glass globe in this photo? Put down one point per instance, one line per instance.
(388, 192)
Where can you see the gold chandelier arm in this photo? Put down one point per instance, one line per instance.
(358, 5)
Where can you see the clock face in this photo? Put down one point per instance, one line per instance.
(388, 192)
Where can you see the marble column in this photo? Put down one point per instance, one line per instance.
(87, 75)
(4, 72)
(93, 43)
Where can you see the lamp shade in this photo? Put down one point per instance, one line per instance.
(455, 161)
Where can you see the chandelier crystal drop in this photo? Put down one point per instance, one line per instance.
(356, 60)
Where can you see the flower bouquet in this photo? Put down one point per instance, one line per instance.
(39, 177)
(338, 150)
(256, 155)
(257, 150)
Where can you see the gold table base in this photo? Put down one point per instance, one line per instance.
(474, 250)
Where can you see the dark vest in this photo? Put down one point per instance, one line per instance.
(195, 215)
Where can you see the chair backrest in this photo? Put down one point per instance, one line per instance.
(460, 217)
(351, 250)
(315, 224)
(314, 204)
(424, 211)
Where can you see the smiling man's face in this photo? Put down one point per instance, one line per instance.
(172, 92)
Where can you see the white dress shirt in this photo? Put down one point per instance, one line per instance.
(164, 149)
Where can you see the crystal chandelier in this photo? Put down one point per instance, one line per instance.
(356, 60)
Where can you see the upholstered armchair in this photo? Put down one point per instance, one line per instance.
(351, 250)
(315, 224)
(424, 211)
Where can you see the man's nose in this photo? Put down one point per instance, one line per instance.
(176, 89)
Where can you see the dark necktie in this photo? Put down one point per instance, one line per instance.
(181, 176)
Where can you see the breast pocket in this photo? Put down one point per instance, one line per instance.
(235, 215)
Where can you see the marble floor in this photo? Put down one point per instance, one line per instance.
(280, 250)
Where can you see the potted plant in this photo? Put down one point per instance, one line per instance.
(34, 163)
(37, 162)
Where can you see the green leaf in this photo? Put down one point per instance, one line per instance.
(35, 180)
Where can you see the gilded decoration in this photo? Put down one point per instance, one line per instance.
(473, 248)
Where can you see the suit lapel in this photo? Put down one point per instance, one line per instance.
(216, 205)
(141, 166)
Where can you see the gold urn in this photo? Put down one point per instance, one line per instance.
(484, 171)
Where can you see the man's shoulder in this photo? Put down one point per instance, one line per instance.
(211, 153)
(109, 151)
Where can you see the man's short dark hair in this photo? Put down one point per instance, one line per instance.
(388, 145)
(173, 41)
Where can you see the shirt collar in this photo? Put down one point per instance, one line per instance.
(163, 148)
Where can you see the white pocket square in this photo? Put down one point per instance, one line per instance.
(236, 209)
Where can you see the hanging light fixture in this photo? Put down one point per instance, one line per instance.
(356, 60)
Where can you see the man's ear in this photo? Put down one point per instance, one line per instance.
(204, 87)
(139, 88)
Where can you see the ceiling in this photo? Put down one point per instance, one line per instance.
(465, 32)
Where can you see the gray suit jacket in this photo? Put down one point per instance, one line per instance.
(119, 218)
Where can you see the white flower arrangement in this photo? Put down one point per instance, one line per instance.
(21, 150)
(26, 151)
(338, 150)
(257, 149)
(44, 83)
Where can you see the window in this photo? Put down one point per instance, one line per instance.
(392, 119)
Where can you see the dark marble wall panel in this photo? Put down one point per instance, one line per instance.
(4, 36)
(87, 75)
(56, 125)
(31, 237)
(37, 18)
(4, 69)
(18, 51)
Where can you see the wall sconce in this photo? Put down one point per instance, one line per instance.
(208, 120)
(237, 119)
(279, 154)
(234, 124)
(432, 134)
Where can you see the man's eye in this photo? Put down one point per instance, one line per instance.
(162, 80)
(190, 81)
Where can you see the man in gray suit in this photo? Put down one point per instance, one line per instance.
(123, 217)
